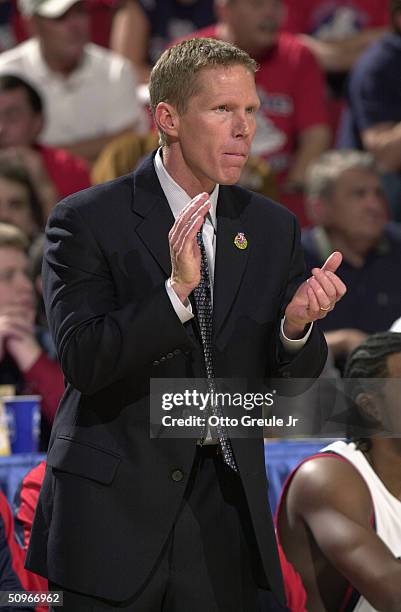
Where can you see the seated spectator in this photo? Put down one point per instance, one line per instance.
(25, 501)
(11, 556)
(55, 173)
(89, 92)
(373, 119)
(339, 519)
(142, 30)
(347, 204)
(101, 14)
(23, 361)
(337, 32)
(292, 127)
(13, 576)
(19, 203)
(15, 531)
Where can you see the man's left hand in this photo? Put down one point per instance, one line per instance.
(315, 298)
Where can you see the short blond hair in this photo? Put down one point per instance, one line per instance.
(12, 236)
(174, 78)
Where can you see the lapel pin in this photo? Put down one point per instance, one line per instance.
(240, 241)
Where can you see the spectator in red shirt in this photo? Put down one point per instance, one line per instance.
(55, 173)
(24, 362)
(13, 576)
(292, 124)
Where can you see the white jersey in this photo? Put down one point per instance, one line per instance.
(387, 509)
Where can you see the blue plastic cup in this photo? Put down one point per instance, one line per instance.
(23, 420)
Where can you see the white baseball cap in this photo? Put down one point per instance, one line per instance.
(45, 8)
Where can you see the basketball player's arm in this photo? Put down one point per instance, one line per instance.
(332, 499)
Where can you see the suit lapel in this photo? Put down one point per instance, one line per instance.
(231, 261)
(156, 218)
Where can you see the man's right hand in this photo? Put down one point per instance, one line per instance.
(184, 249)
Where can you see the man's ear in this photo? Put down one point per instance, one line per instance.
(167, 119)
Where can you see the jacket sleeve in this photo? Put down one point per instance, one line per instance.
(99, 342)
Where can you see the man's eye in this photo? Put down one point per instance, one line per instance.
(222, 109)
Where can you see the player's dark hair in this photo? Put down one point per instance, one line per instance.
(369, 361)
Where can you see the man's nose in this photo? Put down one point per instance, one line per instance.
(241, 127)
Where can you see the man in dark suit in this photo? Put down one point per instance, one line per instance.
(126, 521)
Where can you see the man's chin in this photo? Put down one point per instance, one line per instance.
(231, 175)
(231, 180)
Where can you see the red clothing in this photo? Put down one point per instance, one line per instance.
(334, 19)
(294, 589)
(12, 556)
(45, 378)
(25, 503)
(68, 172)
(291, 89)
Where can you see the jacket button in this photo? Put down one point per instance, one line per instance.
(177, 351)
(169, 355)
(162, 358)
(177, 475)
(156, 363)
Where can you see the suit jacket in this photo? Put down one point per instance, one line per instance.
(111, 493)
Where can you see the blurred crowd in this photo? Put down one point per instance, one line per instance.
(74, 112)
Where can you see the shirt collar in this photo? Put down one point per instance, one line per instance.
(176, 196)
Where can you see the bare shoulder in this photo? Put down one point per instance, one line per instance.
(332, 483)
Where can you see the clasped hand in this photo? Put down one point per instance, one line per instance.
(184, 250)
